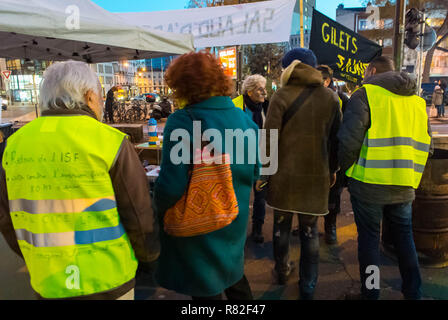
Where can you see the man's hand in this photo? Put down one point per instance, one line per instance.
(332, 179)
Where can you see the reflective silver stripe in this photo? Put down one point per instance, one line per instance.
(62, 206)
(70, 238)
(46, 239)
(397, 141)
(391, 164)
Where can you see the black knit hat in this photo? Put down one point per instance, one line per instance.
(305, 55)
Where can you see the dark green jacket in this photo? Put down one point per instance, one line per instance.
(208, 264)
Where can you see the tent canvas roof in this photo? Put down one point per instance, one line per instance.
(37, 29)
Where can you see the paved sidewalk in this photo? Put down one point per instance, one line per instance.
(338, 268)
(18, 113)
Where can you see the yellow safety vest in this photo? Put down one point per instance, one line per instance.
(239, 102)
(396, 146)
(63, 207)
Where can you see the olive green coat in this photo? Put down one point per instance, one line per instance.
(307, 147)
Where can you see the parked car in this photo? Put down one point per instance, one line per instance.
(139, 98)
(152, 97)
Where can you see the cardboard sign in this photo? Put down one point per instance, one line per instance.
(343, 50)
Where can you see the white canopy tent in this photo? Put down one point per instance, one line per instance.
(48, 30)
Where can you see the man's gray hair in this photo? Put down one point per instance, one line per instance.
(65, 84)
(251, 82)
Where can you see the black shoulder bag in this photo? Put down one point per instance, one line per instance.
(303, 96)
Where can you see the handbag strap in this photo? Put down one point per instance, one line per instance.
(191, 114)
(303, 96)
(203, 143)
(194, 118)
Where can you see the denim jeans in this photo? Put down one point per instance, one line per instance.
(259, 206)
(440, 110)
(309, 249)
(368, 218)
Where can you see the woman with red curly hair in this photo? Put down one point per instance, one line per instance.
(208, 265)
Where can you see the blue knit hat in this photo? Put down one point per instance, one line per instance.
(305, 55)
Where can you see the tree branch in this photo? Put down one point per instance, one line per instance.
(443, 30)
(442, 49)
(441, 39)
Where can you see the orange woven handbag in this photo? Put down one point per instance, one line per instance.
(209, 203)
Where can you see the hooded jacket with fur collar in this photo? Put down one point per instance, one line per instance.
(307, 145)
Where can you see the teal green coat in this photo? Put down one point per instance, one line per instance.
(204, 265)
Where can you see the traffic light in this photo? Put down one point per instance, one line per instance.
(413, 36)
(412, 28)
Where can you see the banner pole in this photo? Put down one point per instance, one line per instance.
(302, 39)
(420, 65)
(34, 95)
(400, 11)
(239, 64)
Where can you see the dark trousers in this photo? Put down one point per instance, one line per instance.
(334, 204)
(441, 110)
(239, 291)
(309, 248)
(110, 115)
(259, 207)
(368, 221)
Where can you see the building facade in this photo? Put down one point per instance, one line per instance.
(23, 84)
(135, 77)
(156, 69)
(294, 40)
(377, 24)
(105, 72)
(350, 17)
(439, 66)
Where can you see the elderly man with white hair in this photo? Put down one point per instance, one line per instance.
(74, 201)
(255, 105)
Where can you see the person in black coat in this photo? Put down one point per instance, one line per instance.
(166, 107)
(110, 98)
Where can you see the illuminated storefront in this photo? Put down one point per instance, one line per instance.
(25, 79)
(25, 88)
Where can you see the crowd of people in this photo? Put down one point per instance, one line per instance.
(159, 110)
(84, 220)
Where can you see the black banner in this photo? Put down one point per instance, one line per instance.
(343, 50)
